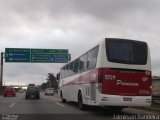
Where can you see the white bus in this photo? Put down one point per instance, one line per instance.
(115, 73)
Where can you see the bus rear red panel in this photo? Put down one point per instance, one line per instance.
(126, 82)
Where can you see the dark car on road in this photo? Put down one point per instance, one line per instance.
(32, 92)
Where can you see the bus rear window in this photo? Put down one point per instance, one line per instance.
(126, 51)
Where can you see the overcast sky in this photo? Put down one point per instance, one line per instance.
(75, 25)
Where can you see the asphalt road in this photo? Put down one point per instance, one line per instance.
(47, 107)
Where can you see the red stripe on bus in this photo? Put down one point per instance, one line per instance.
(117, 82)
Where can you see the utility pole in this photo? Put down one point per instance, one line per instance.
(1, 78)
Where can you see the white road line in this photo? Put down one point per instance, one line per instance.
(60, 104)
(12, 105)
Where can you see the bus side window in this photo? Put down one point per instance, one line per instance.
(83, 62)
(71, 69)
(67, 71)
(81, 65)
(76, 66)
(87, 64)
(92, 57)
(62, 72)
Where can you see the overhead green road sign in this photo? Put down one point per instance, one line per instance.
(50, 51)
(36, 55)
(53, 58)
(40, 57)
(17, 55)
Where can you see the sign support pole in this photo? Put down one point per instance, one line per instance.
(1, 78)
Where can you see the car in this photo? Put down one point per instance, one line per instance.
(32, 92)
(21, 90)
(9, 91)
(49, 91)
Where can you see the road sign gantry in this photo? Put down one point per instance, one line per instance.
(36, 55)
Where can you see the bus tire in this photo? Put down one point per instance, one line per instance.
(62, 99)
(80, 102)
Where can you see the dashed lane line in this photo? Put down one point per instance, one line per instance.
(60, 104)
(12, 105)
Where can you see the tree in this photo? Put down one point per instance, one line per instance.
(52, 81)
(44, 86)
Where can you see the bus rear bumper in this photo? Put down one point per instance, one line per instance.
(116, 100)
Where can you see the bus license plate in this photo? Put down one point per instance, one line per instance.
(127, 99)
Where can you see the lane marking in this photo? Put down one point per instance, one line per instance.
(60, 104)
(12, 105)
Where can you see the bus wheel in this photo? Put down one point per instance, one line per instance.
(62, 99)
(80, 102)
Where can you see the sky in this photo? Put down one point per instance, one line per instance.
(75, 25)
